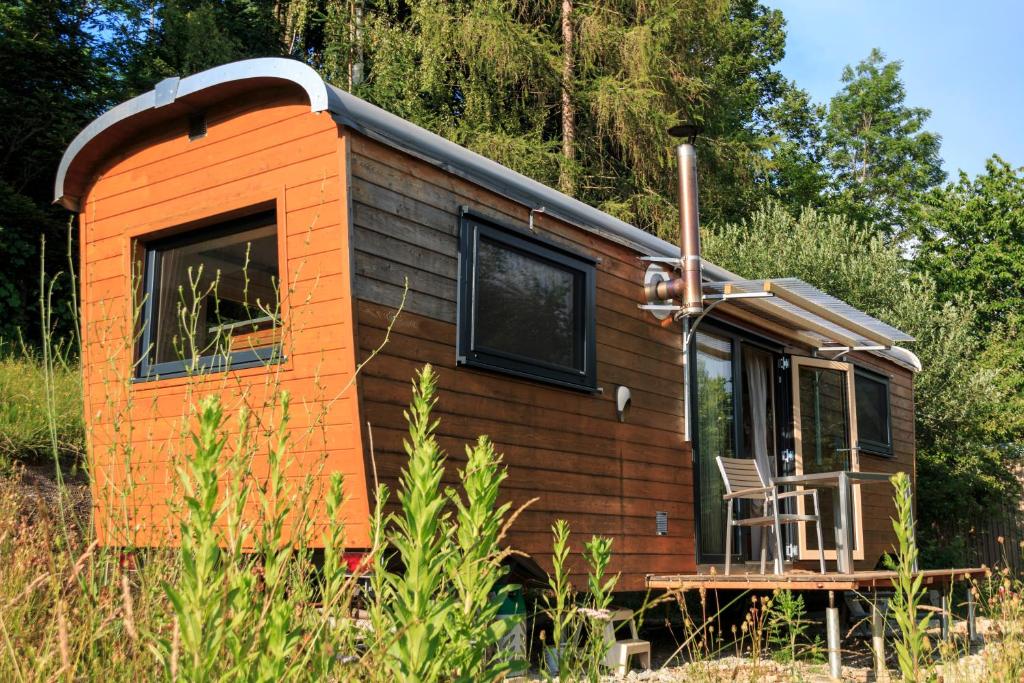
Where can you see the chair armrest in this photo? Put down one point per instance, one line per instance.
(794, 494)
(747, 492)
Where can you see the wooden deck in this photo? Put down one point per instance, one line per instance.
(803, 580)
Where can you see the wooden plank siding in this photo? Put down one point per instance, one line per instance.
(565, 448)
(267, 148)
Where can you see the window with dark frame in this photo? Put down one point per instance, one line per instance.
(526, 306)
(210, 299)
(874, 413)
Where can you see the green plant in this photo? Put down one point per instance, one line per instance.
(437, 616)
(597, 555)
(788, 628)
(912, 646)
(476, 571)
(415, 600)
(558, 600)
(199, 602)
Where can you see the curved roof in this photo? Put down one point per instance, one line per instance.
(175, 97)
(171, 98)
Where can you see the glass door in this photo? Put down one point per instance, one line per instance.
(715, 436)
(824, 435)
(735, 411)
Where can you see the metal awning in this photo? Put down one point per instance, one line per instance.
(804, 311)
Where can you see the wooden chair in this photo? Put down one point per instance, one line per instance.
(620, 650)
(744, 480)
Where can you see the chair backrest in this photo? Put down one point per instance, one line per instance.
(742, 473)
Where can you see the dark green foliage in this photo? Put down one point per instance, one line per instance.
(51, 85)
(180, 37)
(972, 240)
(797, 173)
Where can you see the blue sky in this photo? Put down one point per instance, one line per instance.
(962, 60)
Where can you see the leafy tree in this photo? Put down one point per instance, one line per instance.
(482, 73)
(971, 239)
(880, 157)
(963, 417)
(797, 173)
(575, 95)
(971, 242)
(147, 42)
(51, 85)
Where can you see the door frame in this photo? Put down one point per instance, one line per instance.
(858, 511)
(737, 336)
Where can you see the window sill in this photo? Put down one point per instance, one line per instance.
(498, 369)
(214, 365)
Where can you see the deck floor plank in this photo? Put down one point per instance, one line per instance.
(804, 580)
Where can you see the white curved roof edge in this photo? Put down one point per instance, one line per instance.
(904, 357)
(397, 132)
(171, 89)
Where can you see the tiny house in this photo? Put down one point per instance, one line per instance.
(315, 217)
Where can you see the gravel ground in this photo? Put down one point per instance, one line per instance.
(858, 666)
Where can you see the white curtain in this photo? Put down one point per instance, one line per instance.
(757, 374)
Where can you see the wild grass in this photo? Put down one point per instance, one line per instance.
(28, 410)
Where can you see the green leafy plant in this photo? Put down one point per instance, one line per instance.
(597, 555)
(912, 645)
(558, 600)
(788, 630)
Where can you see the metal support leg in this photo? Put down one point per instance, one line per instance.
(764, 548)
(835, 658)
(945, 617)
(972, 624)
(844, 551)
(817, 525)
(779, 568)
(878, 639)
(728, 538)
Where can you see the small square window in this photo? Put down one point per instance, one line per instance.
(210, 299)
(874, 415)
(526, 306)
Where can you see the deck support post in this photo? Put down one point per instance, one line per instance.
(878, 638)
(946, 617)
(835, 658)
(972, 610)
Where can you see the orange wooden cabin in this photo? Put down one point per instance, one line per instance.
(309, 209)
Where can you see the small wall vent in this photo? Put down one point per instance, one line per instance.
(661, 523)
(197, 126)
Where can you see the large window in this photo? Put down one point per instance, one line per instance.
(526, 306)
(874, 417)
(210, 299)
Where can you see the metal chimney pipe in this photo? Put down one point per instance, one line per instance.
(688, 288)
(689, 230)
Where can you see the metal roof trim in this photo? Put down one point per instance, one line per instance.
(173, 89)
(406, 136)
